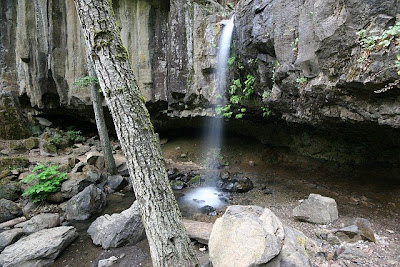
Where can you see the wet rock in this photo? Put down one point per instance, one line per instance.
(9, 210)
(177, 185)
(236, 184)
(10, 236)
(41, 221)
(209, 210)
(199, 231)
(255, 230)
(38, 249)
(95, 158)
(108, 262)
(116, 182)
(10, 191)
(84, 204)
(111, 231)
(317, 209)
(361, 229)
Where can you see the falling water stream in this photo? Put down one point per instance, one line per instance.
(215, 125)
(198, 197)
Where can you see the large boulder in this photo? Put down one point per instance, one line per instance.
(317, 209)
(9, 237)
(9, 210)
(111, 231)
(84, 204)
(38, 249)
(41, 221)
(247, 236)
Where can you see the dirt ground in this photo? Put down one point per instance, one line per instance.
(281, 179)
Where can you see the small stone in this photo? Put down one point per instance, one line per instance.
(209, 210)
(107, 262)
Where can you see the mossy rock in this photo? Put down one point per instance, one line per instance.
(13, 163)
(4, 174)
(195, 180)
(31, 143)
(50, 148)
(13, 124)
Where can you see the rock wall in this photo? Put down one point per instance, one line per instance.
(310, 70)
(309, 59)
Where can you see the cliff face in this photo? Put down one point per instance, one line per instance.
(311, 63)
(307, 59)
(43, 49)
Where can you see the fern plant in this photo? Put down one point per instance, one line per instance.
(45, 180)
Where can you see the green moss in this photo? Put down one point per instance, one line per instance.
(195, 180)
(122, 53)
(13, 162)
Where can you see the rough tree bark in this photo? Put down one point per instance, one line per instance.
(101, 124)
(167, 237)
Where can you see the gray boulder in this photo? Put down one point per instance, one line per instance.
(38, 249)
(317, 209)
(8, 210)
(118, 229)
(41, 221)
(84, 204)
(247, 236)
(10, 191)
(9, 237)
(76, 183)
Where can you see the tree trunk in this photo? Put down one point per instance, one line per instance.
(167, 237)
(101, 124)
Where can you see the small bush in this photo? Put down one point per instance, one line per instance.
(46, 180)
(74, 136)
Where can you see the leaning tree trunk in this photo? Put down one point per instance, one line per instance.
(101, 124)
(169, 243)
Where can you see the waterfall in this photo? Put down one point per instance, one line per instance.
(215, 125)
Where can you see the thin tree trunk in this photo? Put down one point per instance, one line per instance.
(101, 124)
(167, 237)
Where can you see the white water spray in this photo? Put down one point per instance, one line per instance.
(215, 125)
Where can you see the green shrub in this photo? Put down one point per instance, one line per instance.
(45, 180)
(74, 136)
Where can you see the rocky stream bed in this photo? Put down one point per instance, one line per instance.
(247, 173)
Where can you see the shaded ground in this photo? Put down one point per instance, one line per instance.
(281, 179)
